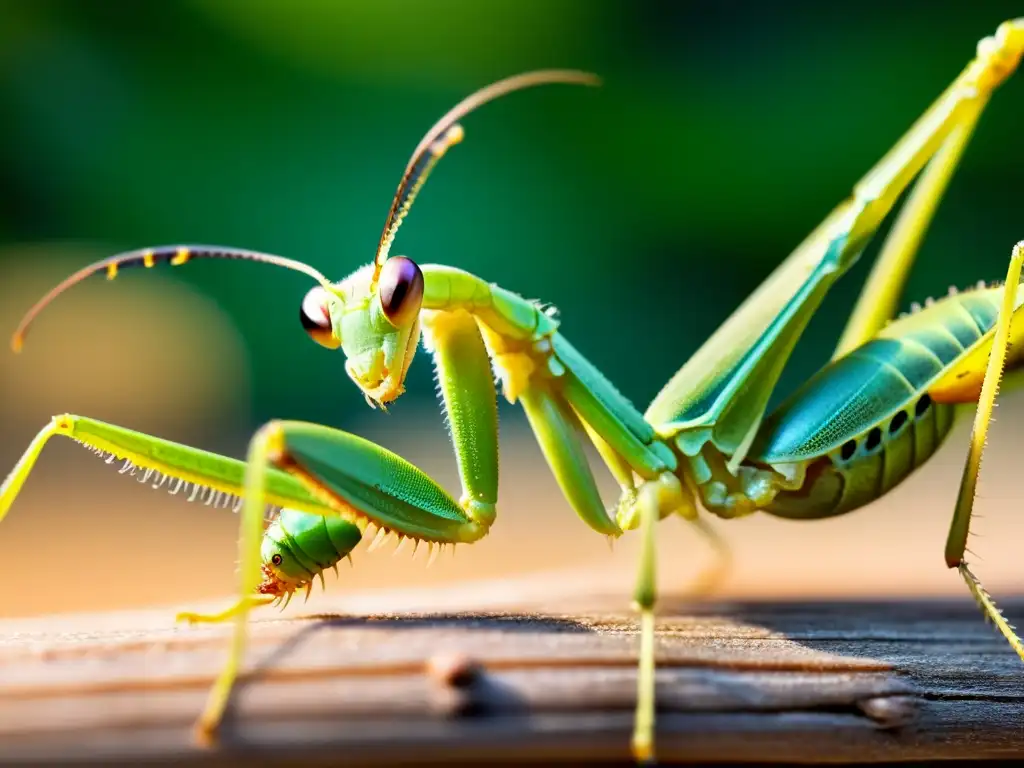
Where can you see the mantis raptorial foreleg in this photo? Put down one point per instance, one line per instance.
(352, 476)
(350, 472)
(878, 298)
(466, 383)
(329, 475)
(956, 543)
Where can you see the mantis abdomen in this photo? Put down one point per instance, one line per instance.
(876, 463)
(864, 422)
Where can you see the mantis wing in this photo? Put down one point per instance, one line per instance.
(721, 393)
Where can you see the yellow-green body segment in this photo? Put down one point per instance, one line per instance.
(850, 434)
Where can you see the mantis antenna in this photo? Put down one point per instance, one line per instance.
(175, 255)
(446, 133)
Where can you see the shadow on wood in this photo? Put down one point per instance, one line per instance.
(516, 675)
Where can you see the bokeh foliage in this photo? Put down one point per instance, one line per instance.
(645, 210)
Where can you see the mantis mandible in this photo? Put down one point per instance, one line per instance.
(877, 411)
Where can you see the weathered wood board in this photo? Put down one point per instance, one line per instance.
(508, 673)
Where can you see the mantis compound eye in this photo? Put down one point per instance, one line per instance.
(400, 290)
(316, 318)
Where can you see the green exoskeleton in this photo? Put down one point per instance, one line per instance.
(850, 434)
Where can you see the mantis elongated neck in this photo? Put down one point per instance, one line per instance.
(507, 314)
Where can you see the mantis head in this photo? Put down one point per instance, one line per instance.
(376, 322)
(373, 315)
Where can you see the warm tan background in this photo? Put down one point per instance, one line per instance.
(81, 537)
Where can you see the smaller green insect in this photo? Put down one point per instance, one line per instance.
(297, 548)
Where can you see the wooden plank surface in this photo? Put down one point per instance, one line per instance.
(507, 671)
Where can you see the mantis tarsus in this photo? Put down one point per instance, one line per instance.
(851, 433)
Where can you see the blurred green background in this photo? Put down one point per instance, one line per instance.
(645, 210)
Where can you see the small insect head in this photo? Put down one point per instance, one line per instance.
(272, 582)
(282, 571)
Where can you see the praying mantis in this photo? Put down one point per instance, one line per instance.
(857, 428)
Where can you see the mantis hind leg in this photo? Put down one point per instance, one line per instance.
(879, 296)
(956, 543)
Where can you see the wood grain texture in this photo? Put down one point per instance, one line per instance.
(505, 671)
